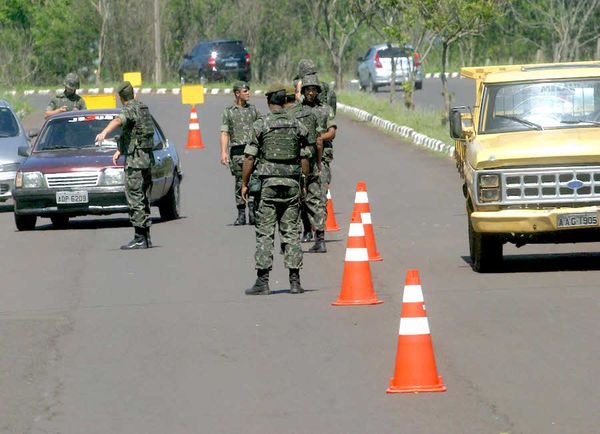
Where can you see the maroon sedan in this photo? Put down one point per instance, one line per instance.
(66, 174)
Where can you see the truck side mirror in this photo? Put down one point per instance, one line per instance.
(456, 130)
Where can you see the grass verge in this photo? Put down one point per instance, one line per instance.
(426, 122)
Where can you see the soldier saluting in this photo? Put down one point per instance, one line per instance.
(280, 165)
(236, 133)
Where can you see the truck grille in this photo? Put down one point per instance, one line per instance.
(4, 188)
(551, 185)
(76, 179)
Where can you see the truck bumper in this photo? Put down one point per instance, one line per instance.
(526, 221)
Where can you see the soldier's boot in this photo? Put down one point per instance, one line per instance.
(261, 286)
(148, 239)
(241, 218)
(138, 242)
(307, 236)
(295, 286)
(319, 246)
(251, 216)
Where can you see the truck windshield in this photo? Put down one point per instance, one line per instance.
(539, 106)
(76, 132)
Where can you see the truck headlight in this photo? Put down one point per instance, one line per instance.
(489, 181)
(29, 180)
(489, 194)
(113, 176)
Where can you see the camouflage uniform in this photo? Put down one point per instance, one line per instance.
(326, 117)
(238, 121)
(71, 101)
(139, 160)
(327, 95)
(277, 148)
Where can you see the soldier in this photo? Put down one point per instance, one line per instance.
(313, 120)
(236, 133)
(136, 144)
(277, 147)
(326, 95)
(68, 99)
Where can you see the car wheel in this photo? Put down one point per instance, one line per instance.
(60, 221)
(418, 85)
(485, 250)
(25, 222)
(170, 205)
(372, 86)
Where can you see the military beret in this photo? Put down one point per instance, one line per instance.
(239, 85)
(276, 87)
(305, 67)
(123, 87)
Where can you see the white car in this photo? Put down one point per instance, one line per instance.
(375, 68)
(12, 135)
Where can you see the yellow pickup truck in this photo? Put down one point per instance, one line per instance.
(528, 151)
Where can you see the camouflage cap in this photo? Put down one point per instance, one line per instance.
(125, 90)
(239, 85)
(276, 87)
(311, 80)
(306, 67)
(71, 81)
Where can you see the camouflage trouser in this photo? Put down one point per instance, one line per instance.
(279, 205)
(235, 166)
(312, 202)
(138, 188)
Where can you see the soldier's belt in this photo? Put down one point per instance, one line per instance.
(236, 150)
(328, 144)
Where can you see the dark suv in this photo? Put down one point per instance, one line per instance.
(216, 60)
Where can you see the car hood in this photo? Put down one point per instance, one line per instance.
(526, 148)
(77, 160)
(9, 147)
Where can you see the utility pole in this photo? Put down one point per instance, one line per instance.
(157, 56)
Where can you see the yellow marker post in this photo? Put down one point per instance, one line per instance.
(93, 102)
(135, 78)
(192, 94)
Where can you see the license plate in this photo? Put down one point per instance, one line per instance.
(66, 197)
(231, 64)
(578, 219)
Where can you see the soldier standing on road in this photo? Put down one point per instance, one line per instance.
(280, 164)
(136, 144)
(236, 133)
(312, 119)
(326, 95)
(67, 100)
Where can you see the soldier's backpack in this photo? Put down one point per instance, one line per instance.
(143, 130)
(280, 140)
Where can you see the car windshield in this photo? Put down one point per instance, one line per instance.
(76, 132)
(539, 106)
(8, 124)
(229, 48)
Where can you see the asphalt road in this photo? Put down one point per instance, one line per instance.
(96, 340)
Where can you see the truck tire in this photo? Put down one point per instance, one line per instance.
(25, 222)
(170, 205)
(485, 250)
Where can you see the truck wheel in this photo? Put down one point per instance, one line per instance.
(25, 222)
(60, 221)
(485, 249)
(170, 205)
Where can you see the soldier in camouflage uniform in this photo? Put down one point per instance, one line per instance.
(326, 95)
(68, 99)
(314, 121)
(281, 162)
(136, 144)
(236, 133)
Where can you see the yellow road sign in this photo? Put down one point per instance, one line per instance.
(192, 94)
(93, 102)
(135, 78)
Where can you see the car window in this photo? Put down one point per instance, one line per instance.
(8, 123)
(369, 51)
(157, 138)
(392, 52)
(229, 48)
(75, 132)
(200, 50)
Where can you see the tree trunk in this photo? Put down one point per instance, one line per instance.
(445, 92)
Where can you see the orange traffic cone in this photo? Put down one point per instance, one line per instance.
(361, 204)
(194, 135)
(415, 363)
(357, 286)
(330, 224)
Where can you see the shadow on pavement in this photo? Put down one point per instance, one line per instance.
(109, 223)
(6, 207)
(548, 262)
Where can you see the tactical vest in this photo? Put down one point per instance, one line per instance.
(143, 129)
(280, 142)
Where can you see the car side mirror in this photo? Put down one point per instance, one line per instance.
(24, 151)
(157, 146)
(34, 132)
